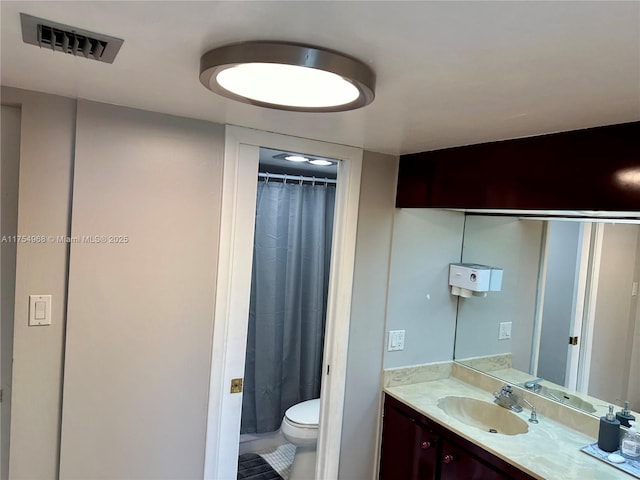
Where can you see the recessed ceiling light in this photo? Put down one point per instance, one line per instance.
(321, 162)
(288, 76)
(296, 158)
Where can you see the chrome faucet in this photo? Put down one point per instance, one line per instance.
(507, 399)
(534, 384)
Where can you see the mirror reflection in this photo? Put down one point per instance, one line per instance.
(566, 323)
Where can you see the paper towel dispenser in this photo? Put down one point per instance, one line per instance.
(467, 278)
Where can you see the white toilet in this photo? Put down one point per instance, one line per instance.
(300, 427)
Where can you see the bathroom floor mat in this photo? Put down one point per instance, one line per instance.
(252, 466)
(280, 458)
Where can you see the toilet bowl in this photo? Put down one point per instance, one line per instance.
(300, 427)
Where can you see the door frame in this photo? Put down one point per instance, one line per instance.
(233, 285)
(540, 288)
(589, 322)
(579, 303)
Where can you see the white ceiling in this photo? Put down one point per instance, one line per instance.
(448, 73)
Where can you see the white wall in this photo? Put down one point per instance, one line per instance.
(424, 242)
(9, 171)
(140, 313)
(359, 454)
(137, 373)
(513, 245)
(563, 249)
(615, 314)
(46, 165)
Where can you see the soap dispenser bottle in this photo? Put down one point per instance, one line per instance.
(630, 446)
(624, 416)
(609, 433)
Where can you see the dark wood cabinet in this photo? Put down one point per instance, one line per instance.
(591, 169)
(409, 447)
(417, 448)
(428, 445)
(458, 464)
(399, 445)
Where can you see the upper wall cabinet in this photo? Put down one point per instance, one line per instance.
(591, 169)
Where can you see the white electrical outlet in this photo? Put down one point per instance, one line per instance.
(396, 340)
(505, 331)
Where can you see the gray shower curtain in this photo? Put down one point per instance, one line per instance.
(292, 251)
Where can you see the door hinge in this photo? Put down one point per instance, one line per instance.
(236, 385)
(573, 340)
(0, 395)
(328, 368)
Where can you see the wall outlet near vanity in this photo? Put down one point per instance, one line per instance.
(505, 331)
(396, 340)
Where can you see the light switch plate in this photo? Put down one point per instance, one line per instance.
(39, 310)
(505, 331)
(396, 340)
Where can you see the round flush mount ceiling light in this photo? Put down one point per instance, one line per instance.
(288, 76)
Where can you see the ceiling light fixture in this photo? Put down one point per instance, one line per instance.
(288, 76)
(321, 162)
(296, 158)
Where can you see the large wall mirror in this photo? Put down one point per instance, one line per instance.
(570, 297)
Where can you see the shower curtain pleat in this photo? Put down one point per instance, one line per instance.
(289, 287)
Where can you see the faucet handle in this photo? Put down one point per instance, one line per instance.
(534, 413)
(506, 389)
(533, 384)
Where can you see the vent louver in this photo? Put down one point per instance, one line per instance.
(67, 39)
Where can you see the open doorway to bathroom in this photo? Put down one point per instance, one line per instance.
(287, 313)
(233, 291)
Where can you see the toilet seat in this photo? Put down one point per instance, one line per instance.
(299, 435)
(300, 425)
(305, 414)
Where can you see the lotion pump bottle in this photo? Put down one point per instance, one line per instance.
(624, 416)
(609, 433)
(630, 446)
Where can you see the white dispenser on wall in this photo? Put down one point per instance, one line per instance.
(469, 278)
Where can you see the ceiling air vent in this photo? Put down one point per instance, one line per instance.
(66, 39)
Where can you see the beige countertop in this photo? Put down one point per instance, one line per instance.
(548, 451)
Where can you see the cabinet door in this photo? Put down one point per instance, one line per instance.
(427, 454)
(399, 437)
(459, 464)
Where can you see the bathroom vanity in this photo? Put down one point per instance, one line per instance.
(534, 179)
(425, 437)
(415, 447)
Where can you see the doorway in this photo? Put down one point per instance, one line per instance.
(242, 147)
(567, 250)
(287, 311)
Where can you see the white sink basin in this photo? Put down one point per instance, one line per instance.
(483, 415)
